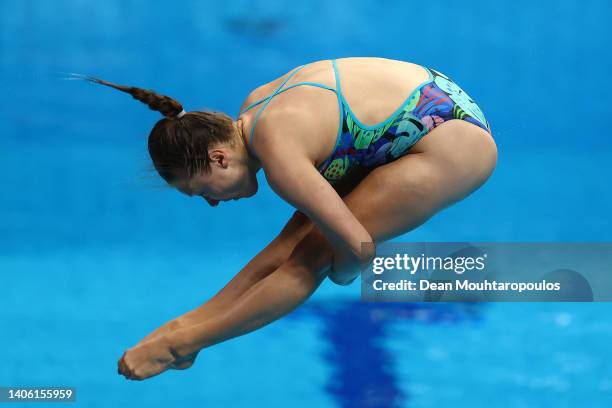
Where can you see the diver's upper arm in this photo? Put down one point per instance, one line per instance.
(295, 179)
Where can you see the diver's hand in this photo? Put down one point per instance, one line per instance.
(343, 279)
(346, 267)
(346, 273)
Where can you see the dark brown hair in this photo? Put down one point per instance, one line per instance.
(179, 146)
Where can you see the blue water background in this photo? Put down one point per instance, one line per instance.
(95, 252)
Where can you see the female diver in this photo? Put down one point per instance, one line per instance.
(343, 142)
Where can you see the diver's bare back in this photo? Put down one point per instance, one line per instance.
(373, 88)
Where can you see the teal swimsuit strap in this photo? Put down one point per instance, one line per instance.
(340, 109)
(287, 88)
(391, 117)
(280, 89)
(337, 76)
(268, 99)
(342, 102)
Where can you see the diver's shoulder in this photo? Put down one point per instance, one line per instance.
(285, 130)
(283, 120)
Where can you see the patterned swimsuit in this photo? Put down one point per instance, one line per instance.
(433, 102)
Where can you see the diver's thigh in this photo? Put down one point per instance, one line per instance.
(387, 202)
(399, 196)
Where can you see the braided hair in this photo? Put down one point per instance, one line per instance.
(178, 144)
(161, 103)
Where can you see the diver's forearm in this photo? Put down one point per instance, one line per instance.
(267, 301)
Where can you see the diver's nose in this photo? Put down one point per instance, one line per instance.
(212, 202)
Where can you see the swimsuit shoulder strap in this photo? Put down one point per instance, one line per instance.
(337, 77)
(286, 89)
(267, 101)
(278, 90)
(341, 109)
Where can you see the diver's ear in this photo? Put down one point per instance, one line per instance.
(219, 157)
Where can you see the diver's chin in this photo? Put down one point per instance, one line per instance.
(253, 190)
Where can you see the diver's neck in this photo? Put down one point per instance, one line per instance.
(253, 162)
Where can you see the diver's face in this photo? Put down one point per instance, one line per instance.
(227, 180)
